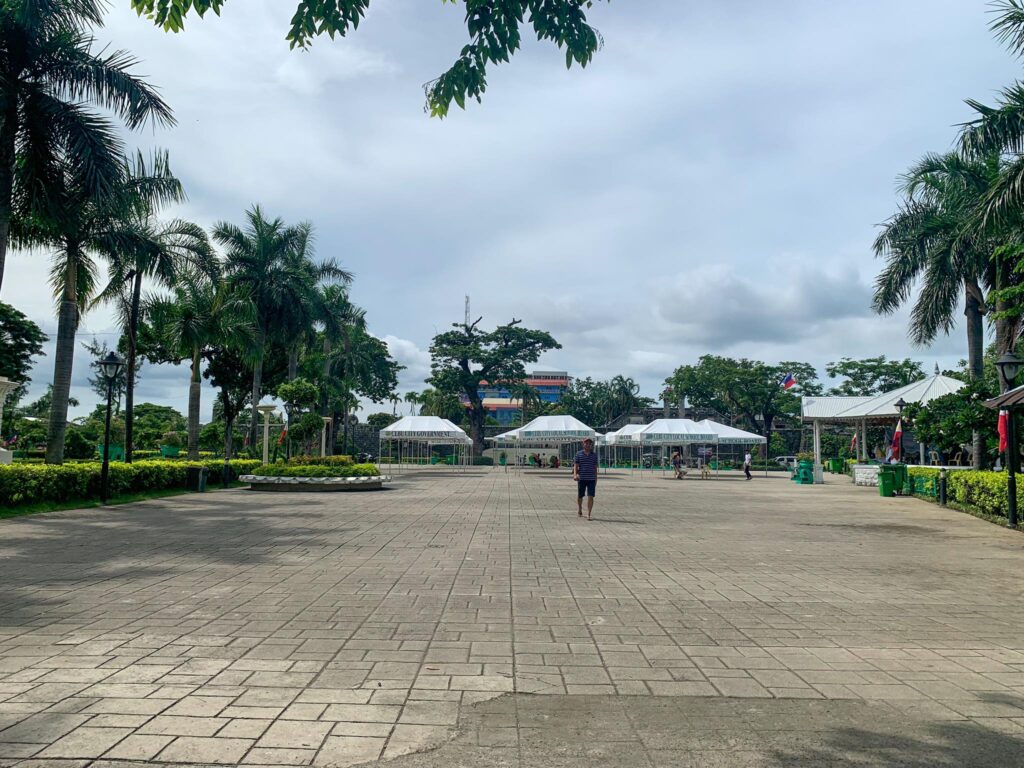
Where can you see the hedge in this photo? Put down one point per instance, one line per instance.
(22, 484)
(972, 490)
(333, 461)
(316, 470)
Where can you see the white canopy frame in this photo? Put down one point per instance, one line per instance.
(416, 437)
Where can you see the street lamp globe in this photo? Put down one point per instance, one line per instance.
(1009, 365)
(110, 366)
(900, 404)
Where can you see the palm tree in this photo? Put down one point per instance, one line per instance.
(48, 74)
(199, 314)
(937, 239)
(270, 263)
(87, 227)
(148, 248)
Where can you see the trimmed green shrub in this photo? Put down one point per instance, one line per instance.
(924, 480)
(983, 492)
(483, 461)
(333, 461)
(316, 470)
(78, 446)
(39, 483)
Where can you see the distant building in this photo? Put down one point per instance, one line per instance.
(506, 410)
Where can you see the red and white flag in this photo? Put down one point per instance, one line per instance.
(853, 443)
(896, 437)
(282, 436)
(1002, 427)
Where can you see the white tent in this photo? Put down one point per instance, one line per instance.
(726, 435)
(418, 434)
(554, 429)
(674, 432)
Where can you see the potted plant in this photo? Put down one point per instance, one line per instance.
(170, 447)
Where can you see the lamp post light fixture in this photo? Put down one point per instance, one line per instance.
(900, 405)
(110, 367)
(266, 410)
(1009, 366)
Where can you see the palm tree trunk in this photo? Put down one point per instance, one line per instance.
(324, 405)
(293, 362)
(7, 136)
(129, 385)
(344, 428)
(229, 423)
(257, 382)
(63, 362)
(194, 390)
(1006, 327)
(975, 361)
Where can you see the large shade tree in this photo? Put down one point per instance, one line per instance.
(463, 358)
(494, 28)
(191, 322)
(146, 248)
(21, 341)
(88, 228)
(269, 262)
(50, 76)
(941, 244)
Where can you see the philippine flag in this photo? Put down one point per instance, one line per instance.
(1003, 442)
(789, 381)
(896, 439)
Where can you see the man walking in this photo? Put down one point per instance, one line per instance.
(584, 472)
(746, 465)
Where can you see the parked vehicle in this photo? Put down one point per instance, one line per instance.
(786, 461)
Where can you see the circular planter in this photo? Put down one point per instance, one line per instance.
(314, 484)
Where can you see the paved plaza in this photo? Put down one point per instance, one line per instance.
(472, 620)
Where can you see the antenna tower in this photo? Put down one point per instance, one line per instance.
(467, 310)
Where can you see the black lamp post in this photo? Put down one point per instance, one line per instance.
(110, 366)
(900, 405)
(1009, 366)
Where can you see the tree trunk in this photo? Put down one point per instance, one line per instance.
(257, 382)
(975, 362)
(325, 404)
(293, 362)
(8, 133)
(129, 385)
(63, 363)
(477, 418)
(1006, 327)
(195, 387)
(229, 423)
(335, 422)
(344, 428)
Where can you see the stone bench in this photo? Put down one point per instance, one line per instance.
(314, 484)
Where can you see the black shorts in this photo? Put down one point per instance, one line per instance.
(586, 488)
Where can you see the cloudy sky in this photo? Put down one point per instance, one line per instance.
(711, 183)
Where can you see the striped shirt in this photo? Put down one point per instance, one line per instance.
(586, 465)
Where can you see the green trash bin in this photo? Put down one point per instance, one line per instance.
(900, 478)
(886, 481)
(836, 466)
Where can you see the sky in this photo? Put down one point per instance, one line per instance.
(711, 183)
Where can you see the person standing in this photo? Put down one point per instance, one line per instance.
(584, 472)
(677, 465)
(746, 466)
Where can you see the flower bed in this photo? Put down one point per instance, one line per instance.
(23, 484)
(315, 477)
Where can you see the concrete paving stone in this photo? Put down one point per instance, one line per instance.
(42, 728)
(264, 756)
(170, 725)
(295, 734)
(194, 749)
(85, 742)
(340, 751)
(136, 747)
(362, 713)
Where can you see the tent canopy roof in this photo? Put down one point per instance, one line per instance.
(880, 406)
(726, 435)
(553, 428)
(673, 431)
(430, 428)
